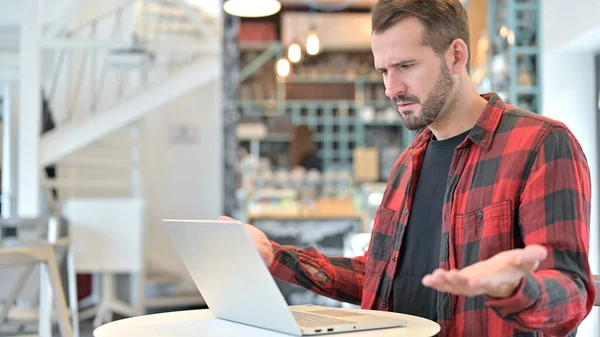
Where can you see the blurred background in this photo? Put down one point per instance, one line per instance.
(119, 113)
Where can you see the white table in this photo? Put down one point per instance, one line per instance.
(202, 323)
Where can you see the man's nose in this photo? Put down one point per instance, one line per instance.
(394, 87)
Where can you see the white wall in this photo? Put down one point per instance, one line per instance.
(182, 180)
(568, 93)
(564, 22)
(568, 87)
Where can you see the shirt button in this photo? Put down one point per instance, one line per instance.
(378, 211)
(480, 215)
(405, 212)
(393, 259)
(384, 304)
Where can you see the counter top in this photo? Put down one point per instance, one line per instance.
(303, 215)
(324, 209)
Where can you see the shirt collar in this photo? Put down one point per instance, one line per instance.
(482, 132)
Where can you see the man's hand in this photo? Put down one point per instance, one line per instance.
(498, 276)
(263, 245)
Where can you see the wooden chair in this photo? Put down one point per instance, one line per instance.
(42, 254)
(15, 251)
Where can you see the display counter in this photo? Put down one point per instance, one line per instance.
(323, 209)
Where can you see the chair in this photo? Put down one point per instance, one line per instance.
(18, 252)
(114, 227)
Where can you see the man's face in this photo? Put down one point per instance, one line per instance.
(416, 79)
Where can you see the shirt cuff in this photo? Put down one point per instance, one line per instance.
(527, 294)
(276, 254)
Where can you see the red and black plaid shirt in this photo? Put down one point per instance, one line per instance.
(517, 179)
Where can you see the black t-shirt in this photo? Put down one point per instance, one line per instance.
(420, 251)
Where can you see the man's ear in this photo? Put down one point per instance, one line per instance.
(458, 54)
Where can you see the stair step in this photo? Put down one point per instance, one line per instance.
(167, 3)
(96, 163)
(163, 12)
(169, 10)
(173, 28)
(158, 278)
(97, 184)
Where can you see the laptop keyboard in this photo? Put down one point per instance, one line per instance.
(311, 321)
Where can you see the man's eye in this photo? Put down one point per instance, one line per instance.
(406, 66)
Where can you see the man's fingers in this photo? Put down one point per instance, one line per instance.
(456, 279)
(453, 281)
(537, 252)
(433, 280)
(438, 280)
(530, 257)
(427, 281)
(460, 283)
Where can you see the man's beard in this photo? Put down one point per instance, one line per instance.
(433, 105)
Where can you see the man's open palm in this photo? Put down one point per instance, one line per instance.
(498, 276)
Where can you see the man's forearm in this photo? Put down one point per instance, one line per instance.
(547, 300)
(339, 278)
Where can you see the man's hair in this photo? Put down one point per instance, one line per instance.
(444, 20)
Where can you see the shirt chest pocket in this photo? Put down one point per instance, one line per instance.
(483, 233)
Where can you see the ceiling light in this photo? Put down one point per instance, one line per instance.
(294, 53)
(511, 37)
(504, 31)
(283, 67)
(312, 43)
(251, 8)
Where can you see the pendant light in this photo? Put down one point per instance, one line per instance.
(312, 43)
(294, 52)
(283, 67)
(251, 8)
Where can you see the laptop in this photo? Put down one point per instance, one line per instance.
(237, 286)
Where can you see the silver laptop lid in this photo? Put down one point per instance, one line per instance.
(230, 273)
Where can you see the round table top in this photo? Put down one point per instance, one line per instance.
(202, 323)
